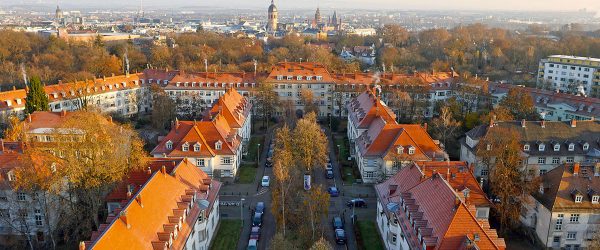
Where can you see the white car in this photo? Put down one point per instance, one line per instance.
(265, 181)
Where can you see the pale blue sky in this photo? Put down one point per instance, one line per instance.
(554, 5)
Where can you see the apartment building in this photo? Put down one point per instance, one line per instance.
(410, 217)
(553, 105)
(171, 204)
(545, 144)
(571, 74)
(563, 213)
(380, 145)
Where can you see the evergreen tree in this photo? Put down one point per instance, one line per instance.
(36, 99)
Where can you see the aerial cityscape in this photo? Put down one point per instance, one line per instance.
(278, 124)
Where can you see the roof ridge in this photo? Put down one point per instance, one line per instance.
(203, 140)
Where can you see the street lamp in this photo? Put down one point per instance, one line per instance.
(242, 210)
(258, 156)
(338, 154)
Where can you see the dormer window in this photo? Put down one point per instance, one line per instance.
(185, 147)
(197, 147)
(399, 150)
(299, 78)
(11, 176)
(556, 147)
(411, 150)
(595, 199)
(319, 78)
(289, 78)
(169, 145)
(586, 146)
(542, 147)
(279, 77)
(578, 198)
(309, 78)
(571, 147)
(218, 145)
(526, 147)
(488, 147)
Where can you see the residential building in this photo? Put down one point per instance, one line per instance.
(171, 204)
(571, 74)
(409, 216)
(553, 105)
(545, 144)
(364, 54)
(380, 145)
(564, 212)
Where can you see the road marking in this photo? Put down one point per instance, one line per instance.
(262, 190)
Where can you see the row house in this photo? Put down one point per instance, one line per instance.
(171, 204)
(545, 144)
(553, 105)
(410, 217)
(380, 145)
(565, 212)
(23, 214)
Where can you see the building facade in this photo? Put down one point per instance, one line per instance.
(571, 74)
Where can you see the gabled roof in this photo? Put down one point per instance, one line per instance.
(562, 182)
(444, 220)
(234, 107)
(45, 120)
(167, 202)
(366, 108)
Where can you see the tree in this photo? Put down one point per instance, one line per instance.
(95, 154)
(316, 203)
(445, 127)
(267, 100)
(163, 108)
(400, 102)
(308, 99)
(309, 144)
(394, 34)
(282, 168)
(520, 104)
(14, 131)
(36, 99)
(321, 244)
(500, 151)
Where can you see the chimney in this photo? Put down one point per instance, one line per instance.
(129, 194)
(573, 123)
(163, 170)
(14, 87)
(481, 182)
(59, 82)
(138, 198)
(1, 145)
(63, 113)
(123, 217)
(425, 126)
(81, 245)
(448, 174)
(149, 171)
(523, 123)
(176, 123)
(543, 123)
(492, 122)
(29, 118)
(576, 168)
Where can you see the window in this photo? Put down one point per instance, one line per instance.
(197, 147)
(570, 159)
(299, 78)
(578, 199)
(556, 239)
(586, 146)
(526, 147)
(169, 145)
(555, 160)
(21, 196)
(399, 150)
(489, 147)
(595, 199)
(542, 147)
(574, 218)
(11, 176)
(559, 221)
(484, 172)
(200, 162)
(218, 145)
(571, 235)
(411, 150)
(38, 220)
(394, 238)
(556, 147)
(541, 160)
(369, 174)
(185, 147)
(4, 213)
(543, 171)
(571, 147)
(319, 78)
(226, 160)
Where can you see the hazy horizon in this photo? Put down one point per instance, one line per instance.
(506, 5)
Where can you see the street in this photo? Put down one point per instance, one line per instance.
(253, 193)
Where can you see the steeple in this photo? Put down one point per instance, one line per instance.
(273, 17)
(318, 19)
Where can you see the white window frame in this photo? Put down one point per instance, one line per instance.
(200, 162)
(169, 145)
(571, 147)
(578, 198)
(526, 147)
(574, 218)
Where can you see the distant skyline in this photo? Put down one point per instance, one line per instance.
(505, 5)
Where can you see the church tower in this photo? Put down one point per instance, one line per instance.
(318, 19)
(273, 15)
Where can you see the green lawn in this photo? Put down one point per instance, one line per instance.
(369, 235)
(228, 235)
(343, 148)
(253, 147)
(348, 175)
(247, 174)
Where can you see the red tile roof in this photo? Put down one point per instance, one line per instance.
(162, 205)
(46, 119)
(366, 107)
(234, 107)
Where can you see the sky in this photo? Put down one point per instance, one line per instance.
(521, 5)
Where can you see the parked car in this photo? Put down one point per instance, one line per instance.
(329, 167)
(252, 244)
(338, 223)
(329, 174)
(265, 181)
(356, 202)
(255, 233)
(340, 236)
(260, 207)
(269, 163)
(333, 191)
(257, 220)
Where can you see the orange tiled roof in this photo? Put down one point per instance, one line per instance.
(563, 182)
(164, 204)
(13, 99)
(45, 119)
(366, 107)
(444, 220)
(305, 69)
(233, 106)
